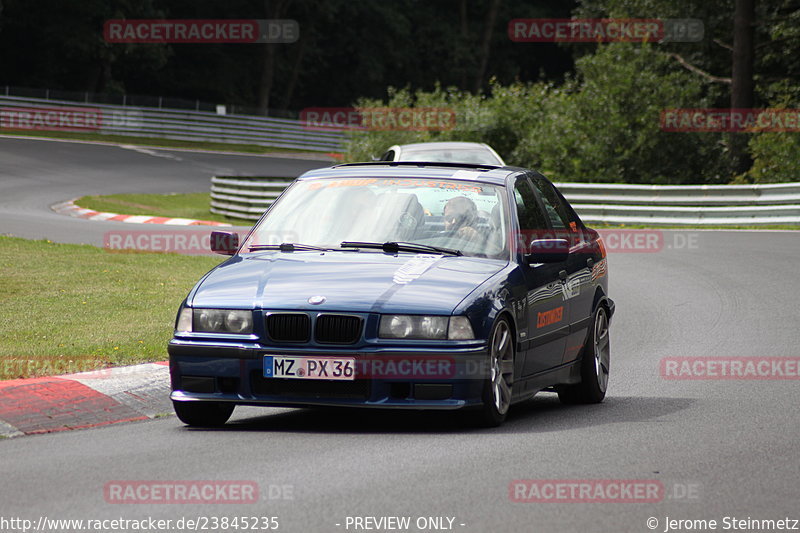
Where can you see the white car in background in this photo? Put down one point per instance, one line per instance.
(444, 152)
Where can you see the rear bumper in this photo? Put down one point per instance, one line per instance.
(234, 374)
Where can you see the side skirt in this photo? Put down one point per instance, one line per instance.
(567, 374)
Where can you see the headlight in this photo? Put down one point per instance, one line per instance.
(184, 322)
(223, 321)
(397, 327)
(460, 329)
(239, 321)
(424, 327)
(433, 327)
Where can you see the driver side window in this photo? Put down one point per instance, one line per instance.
(528, 210)
(559, 214)
(532, 222)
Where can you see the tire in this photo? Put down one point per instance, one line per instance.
(497, 389)
(595, 365)
(203, 414)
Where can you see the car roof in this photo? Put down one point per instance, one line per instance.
(449, 145)
(488, 174)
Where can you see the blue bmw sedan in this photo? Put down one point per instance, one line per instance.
(400, 285)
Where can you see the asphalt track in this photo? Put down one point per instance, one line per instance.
(35, 174)
(721, 448)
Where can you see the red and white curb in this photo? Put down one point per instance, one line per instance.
(84, 400)
(69, 208)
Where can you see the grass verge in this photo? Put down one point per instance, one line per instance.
(188, 205)
(73, 307)
(157, 142)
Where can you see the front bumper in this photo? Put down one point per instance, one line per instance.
(226, 372)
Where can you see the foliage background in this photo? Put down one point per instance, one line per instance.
(575, 111)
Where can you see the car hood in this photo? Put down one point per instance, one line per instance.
(348, 281)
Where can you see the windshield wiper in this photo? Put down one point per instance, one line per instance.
(288, 247)
(394, 247)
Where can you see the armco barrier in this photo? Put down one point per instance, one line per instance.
(175, 124)
(701, 195)
(696, 205)
(245, 197)
(689, 215)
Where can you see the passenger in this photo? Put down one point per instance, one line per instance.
(460, 216)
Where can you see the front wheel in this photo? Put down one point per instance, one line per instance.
(203, 414)
(497, 389)
(595, 365)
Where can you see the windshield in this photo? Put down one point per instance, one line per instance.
(460, 215)
(457, 155)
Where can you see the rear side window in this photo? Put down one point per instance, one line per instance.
(560, 215)
(556, 211)
(528, 210)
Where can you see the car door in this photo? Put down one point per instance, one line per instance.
(548, 310)
(578, 283)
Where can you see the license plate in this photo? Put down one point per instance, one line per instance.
(332, 368)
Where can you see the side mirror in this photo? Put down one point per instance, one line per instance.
(224, 243)
(547, 251)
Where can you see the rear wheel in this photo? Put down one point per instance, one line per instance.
(595, 365)
(203, 414)
(497, 389)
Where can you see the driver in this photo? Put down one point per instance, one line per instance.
(460, 214)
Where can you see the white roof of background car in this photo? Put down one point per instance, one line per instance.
(389, 169)
(448, 145)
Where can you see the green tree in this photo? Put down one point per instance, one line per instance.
(605, 124)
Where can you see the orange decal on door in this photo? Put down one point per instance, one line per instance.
(549, 317)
